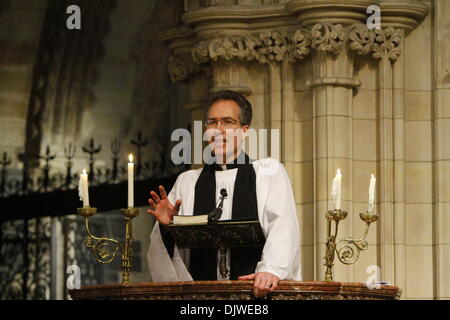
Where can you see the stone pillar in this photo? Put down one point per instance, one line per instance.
(333, 86)
(386, 167)
(230, 75)
(399, 206)
(199, 87)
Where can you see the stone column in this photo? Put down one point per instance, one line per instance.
(399, 206)
(333, 86)
(199, 87)
(386, 167)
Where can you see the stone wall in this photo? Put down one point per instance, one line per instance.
(128, 88)
(19, 38)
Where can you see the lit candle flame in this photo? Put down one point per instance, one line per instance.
(84, 171)
(130, 157)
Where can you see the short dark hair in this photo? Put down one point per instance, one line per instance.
(245, 115)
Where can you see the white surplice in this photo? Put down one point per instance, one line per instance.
(276, 213)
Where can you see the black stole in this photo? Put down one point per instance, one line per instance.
(203, 261)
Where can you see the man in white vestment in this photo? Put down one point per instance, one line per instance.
(258, 189)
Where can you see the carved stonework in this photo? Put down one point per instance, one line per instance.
(328, 38)
(277, 46)
(227, 48)
(230, 48)
(377, 42)
(272, 46)
(300, 44)
(361, 39)
(387, 41)
(181, 66)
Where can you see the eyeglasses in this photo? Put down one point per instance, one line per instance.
(226, 122)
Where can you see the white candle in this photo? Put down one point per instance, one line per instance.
(83, 188)
(372, 192)
(130, 182)
(336, 190)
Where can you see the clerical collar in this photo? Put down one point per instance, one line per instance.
(242, 159)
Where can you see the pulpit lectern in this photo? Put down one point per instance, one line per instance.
(222, 235)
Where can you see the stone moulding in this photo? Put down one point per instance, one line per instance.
(277, 46)
(343, 82)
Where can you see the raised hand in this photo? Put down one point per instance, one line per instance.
(161, 208)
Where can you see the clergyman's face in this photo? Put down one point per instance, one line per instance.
(225, 136)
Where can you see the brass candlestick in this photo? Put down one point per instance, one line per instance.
(347, 255)
(105, 249)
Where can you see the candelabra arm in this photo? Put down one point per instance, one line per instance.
(88, 229)
(350, 253)
(351, 239)
(104, 249)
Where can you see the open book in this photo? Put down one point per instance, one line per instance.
(190, 220)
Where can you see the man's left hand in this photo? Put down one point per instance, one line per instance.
(264, 283)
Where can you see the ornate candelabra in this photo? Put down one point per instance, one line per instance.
(105, 249)
(346, 254)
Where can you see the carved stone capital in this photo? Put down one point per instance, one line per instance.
(328, 38)
(227, 48)
(287, 30)
(276, 46)
(387, 42)
(300, 44)
(181, 66)
(280, 45)
(379, 43)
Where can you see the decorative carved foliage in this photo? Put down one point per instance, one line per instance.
(378, 42)
(300, 44)
(231, 47)
(328, 38)
(387, 41)
(276, 46)
(272, 46)
(228, 48)
(361, 39)
(200, 52)
(182, 65)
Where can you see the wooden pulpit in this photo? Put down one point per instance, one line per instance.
(235, 290)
